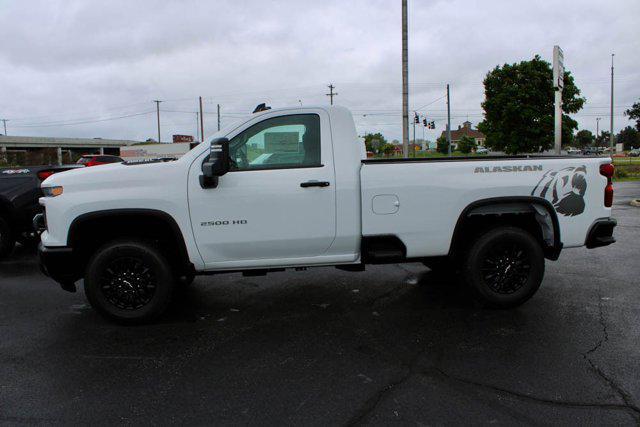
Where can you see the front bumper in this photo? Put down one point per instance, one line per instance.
(601, 233)
(60, 264)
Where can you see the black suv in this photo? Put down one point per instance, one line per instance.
(19, 194)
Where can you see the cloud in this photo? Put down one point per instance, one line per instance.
(63, 61)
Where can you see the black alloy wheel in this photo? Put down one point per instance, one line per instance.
(129, 281)
(504, 267)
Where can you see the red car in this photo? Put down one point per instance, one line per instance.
(98, 159)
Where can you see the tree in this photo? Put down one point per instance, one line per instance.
(466, 144)
(374, 141)
(519, 107)
(634, 114)
(387, 149)
(629, 137)
(442, 146)
(602, 140)
(584, 138)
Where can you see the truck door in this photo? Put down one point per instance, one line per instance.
(278, 201)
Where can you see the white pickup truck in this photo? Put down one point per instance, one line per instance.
(290, 188)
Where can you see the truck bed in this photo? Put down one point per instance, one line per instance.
(420, 200)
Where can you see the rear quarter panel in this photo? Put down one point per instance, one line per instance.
(432, 196)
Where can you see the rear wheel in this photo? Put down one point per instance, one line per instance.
(504, 267)
(7, 239)
(129, 281)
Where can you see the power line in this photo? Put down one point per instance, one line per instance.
(432, 102)
(82, 122)
(21, 119)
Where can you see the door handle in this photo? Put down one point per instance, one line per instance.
(314, 184)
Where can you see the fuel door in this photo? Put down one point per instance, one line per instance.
(385, 204)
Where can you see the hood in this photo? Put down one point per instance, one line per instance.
(112, 175)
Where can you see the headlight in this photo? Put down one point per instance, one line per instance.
(52, 191)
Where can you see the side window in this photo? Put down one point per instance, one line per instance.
(281, 142)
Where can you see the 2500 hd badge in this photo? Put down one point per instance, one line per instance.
(223, 222)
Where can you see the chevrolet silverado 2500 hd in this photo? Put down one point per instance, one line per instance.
(290, 188)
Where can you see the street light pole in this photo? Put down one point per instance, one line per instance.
(405, 82)
(611, 137)
(448, 119)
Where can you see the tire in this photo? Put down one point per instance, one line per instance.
(129, 281)
(7, 239)
(504, 267)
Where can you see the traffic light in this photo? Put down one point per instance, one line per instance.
(432, 125)
(416, 119)
(424, 122)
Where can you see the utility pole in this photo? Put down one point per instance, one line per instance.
(598, 127)
(611, 137)
(448, 119)
(558, 85)
(218, 116)
(331, 93)
(158, 113)
(415, 115)
(201, 122)
(405, 82)
(4, 121)
(198, 126)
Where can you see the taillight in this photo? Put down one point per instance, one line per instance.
(607, 171)
(42, 175)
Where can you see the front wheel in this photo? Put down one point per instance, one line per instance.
(129, 281)
(504, 267)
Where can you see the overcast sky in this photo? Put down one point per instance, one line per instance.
(64, 65)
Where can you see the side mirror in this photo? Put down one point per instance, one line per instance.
(217, 165)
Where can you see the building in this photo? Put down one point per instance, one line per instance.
(29, 150)
(397, 149)
(464, 130)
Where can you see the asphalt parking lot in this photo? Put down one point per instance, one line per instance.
(393, 344)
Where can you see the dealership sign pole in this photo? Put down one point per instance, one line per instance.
(558, 85)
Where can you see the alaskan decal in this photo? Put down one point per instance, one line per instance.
(565, 189)
(526, 168)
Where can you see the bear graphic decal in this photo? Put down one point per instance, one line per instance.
(565, 189)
